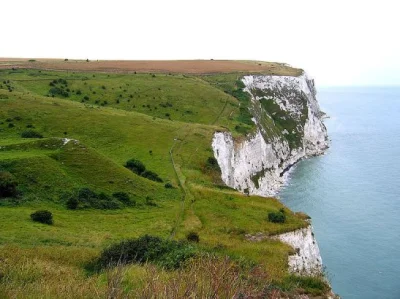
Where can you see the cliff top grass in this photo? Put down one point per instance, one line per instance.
(89, 125)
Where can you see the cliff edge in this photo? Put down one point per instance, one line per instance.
(288, 128)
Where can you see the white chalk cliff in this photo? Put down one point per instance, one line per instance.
(288, 128)
(307, 259)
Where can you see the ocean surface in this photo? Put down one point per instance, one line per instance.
(352, 192)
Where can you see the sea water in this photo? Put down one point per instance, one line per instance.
(352, 192)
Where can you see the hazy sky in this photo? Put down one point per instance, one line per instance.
(336, 42)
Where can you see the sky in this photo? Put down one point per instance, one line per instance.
(336, 42)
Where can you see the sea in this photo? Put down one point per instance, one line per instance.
(352, 193)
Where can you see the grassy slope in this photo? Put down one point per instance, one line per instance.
(107, 137)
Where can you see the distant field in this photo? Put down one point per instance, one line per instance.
(153, 66)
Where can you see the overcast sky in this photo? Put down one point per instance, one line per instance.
(336, 42)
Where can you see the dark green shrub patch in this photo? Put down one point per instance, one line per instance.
(42, 216)
(151, 176)
(72, 203)
(124, 198)
(168, 186)
(165, 253)
(193, 237)
(31, 134)
(138, 167)
(276, 217)
(85, 198)
(57, 91)
(8, 184)
(150, 202)
(212, 163)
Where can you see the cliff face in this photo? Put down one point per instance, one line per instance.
(288, 128)
(307, 259)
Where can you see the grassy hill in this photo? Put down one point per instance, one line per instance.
(91, 124)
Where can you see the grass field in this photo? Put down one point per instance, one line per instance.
(165, 121)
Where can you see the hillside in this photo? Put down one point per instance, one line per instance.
(92, 117)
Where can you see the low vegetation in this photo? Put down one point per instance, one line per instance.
(277, 217)
(168, 254)
(42, 216)
(31, 134)
(138, 167)
(86, 198)
(8, 185)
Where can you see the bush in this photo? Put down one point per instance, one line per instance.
(193, 237)
(42, 216)
(276, 217)
(72, 203)
(151, 176)
(8, 184)
(122, 197)
(31, 134)
(86, 198)
(150, 202)
(105, 202)
(136, 166)
(168, 186)
(212, 163)
(54, 91)
(168, 254)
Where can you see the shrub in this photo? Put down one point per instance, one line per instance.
(42, 216)
(105, 202)
(86, 198)
(136, 166)
(151, 176)
(8, 184)
(150, 201)
(169, 254)
(276, 217)
(168, 186)
(122, 197)
(72, 203)
(11, 125)
(193, 237)
(54, 91)
(212, 163)
(31, 134)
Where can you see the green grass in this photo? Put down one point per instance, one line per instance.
(103, 138)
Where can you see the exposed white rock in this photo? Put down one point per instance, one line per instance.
(259, 163)
(307, 259)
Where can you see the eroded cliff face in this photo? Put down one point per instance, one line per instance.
(307, 259)
(288, 128)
